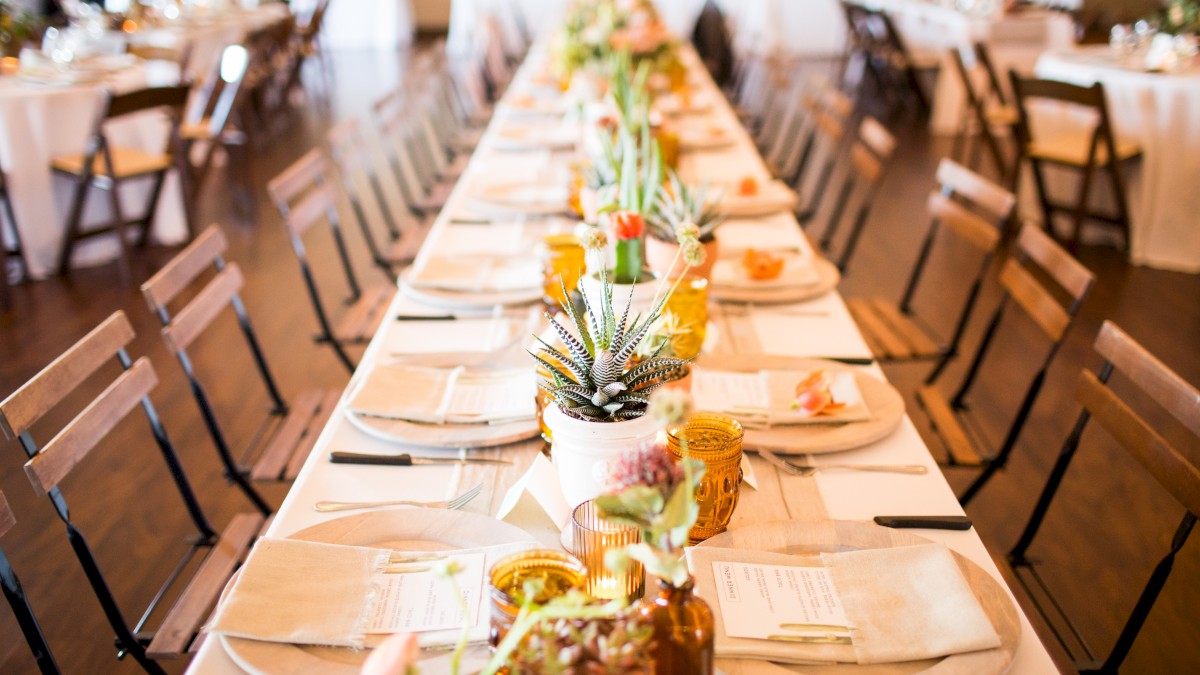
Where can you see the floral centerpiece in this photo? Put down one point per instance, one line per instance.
(1180, 17)
(594, 29)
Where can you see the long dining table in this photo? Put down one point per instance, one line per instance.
(818, 327)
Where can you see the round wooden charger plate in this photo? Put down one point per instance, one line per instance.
(462, 300)
(881, 398)
(808, 538)
(398, 529)
(828, 279)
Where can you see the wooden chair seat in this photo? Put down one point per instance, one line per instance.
(943, 419)
(293, 441)
(127, 163)
(1072, 150)
(999, 115)
(360, 321)
(195, 603)
(890, 333)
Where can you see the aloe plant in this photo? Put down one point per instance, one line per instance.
(591, 377)
(684, 204)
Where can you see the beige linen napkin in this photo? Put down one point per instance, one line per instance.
(301, 592)
(764, 399)
(772, 196)
(478, 274)
(903, 604)
(446, 395)
(908, 603)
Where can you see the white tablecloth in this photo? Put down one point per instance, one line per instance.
(1159, 111)
(208, 38)
(38, 123)
(827, 325)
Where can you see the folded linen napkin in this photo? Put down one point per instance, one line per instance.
(496, 239)
(446, 395)
(901, 604)
(798, 271)
(477, 274)
(302, 592)
(766, 398)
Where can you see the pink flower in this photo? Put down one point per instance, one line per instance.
(652, 466)
(813, 395)
(396, 655)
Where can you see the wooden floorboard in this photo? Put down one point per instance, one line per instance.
(1099, 546)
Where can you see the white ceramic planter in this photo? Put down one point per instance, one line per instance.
(583, 450)
(643, 294)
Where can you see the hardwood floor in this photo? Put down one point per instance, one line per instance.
(1109, 526)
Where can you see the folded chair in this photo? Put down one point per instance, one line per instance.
(20, 605)
(286, 437)
(970, 208)
(305, 194)
(868, 158)
(1147, 443)
(368, 198)
(423, 193)
(215, 120)
(882, 52)
(1040, 302)
(987, 112)
(50, 463)
(831, 115)
(1085, 148)
(105, 166)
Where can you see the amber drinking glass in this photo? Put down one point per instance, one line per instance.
(593, 536)
(715, 440)
(563, 263)
(689, 305)
(559, 571)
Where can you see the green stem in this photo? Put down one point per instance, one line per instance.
(628, 268)
(456, 658)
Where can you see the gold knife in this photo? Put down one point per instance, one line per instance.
(407, 459)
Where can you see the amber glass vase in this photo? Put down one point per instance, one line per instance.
(683, 630)
(715, 440)
(559, 571)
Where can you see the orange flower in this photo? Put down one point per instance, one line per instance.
(762, 265)
(813, 395)
(628, 225)
(748, 187)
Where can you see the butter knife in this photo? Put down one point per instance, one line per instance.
(407, 459)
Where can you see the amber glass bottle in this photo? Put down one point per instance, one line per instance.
(683, 630)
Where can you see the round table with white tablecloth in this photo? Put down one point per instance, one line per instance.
(1158, 111)
(41, 121)
(208, 35)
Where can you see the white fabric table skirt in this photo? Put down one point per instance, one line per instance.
(846, 496)
(38, 123)
(207, 39)
(1158, 111)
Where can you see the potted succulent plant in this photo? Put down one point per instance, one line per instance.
(682, 214)
(598, 397)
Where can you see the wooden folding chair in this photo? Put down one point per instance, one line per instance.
(266, 80)
(215, 121)
(1040, 302)
(987, 111)
(971, 208)
(104, 166)
(868, 158)
(1147, 443)
(15, 595)
(884, 54)
(832, 114)
(50, 463)
(423, 193)
(1082, 149)
(304, 195)
(369, 200)
(288, 433)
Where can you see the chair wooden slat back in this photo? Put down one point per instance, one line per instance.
(63, 452)
(1033, 297)
(995, 200)
(184, 268)
(360, 179)
(48, 388)
(1037, 302)
(187, 325)
(303, 192)
(139, 100)
(876, 138)
(1176, 473)
(1066, 271)
(974, 229)
(869, 155)
(1167, 389)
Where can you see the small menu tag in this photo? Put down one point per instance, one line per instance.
(778, 602)
(413, 598)
(541, 483)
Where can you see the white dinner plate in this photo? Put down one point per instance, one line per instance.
(449, 299)
(807, 539)
(528, 197)
(397, 529)
(827, 279)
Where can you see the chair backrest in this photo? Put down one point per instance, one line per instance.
(831, 118)
(20, 606)
(1174, 471)
(1089, 99)
(305, 194)
(870, 153)
(394, 125)
(220, 92)
(367, 195)
(1043, 306)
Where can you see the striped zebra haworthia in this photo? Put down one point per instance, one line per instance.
(591, 378)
